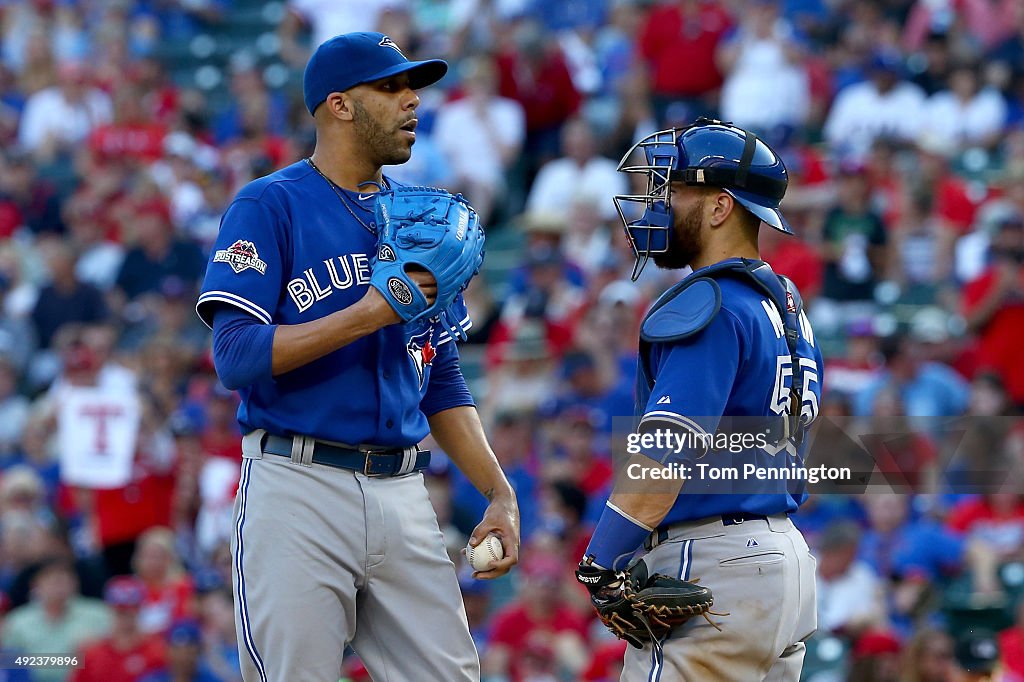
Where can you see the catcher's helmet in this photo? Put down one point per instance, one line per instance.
(709, 153)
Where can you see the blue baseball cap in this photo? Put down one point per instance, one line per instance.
(354, 58)
(885, 61)
(183, 632)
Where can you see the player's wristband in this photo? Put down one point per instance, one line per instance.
(615, 539)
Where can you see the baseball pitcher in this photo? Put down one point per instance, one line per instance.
(334, 298)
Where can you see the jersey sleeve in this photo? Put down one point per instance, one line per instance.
(242, 348)
(456, 313)
(246, 266)
(694, 377)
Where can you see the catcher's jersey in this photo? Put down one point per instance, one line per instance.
(291, 250)
(738, 366)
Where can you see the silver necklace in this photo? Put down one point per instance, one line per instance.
(371, 227)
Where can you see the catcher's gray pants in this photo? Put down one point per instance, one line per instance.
(324, 557)
(762, 574)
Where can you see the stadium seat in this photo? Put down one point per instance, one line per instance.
(826, 658)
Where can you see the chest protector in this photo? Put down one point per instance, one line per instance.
(690, 306)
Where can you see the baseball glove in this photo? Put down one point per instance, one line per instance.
(424, 228)
(640, 608)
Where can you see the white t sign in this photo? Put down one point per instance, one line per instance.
(98, 430)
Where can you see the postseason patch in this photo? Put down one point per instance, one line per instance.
(240, 256)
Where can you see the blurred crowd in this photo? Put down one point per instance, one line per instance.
(901, 123)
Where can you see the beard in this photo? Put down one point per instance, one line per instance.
(382, 145)
(685, 240)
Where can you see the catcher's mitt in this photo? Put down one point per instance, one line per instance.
(640, 608)
(430, 229)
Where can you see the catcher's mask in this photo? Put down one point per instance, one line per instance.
(709, 153)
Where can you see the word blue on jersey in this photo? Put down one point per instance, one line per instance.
(290, 250)
(735, 362)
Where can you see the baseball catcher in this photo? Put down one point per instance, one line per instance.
(727, 352)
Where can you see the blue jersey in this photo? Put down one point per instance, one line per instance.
(291, 250)
(739, 365)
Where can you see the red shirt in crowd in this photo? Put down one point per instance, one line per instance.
(1002, 529)
(163, 103)
(166, 603)
(606, 664)
(903, 459)
(680, 50)
(517, 629)
(135, 142)
(956, 203)
(1011, 651)
(998, 346)
(222, 443)
(559, 335)
(545, 90)
(122, 514)
(10, 219)
(102, 662)
(798, 261)
(849, 377)
(596, 476)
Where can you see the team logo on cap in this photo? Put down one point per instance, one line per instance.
(241, 256)
(388, 42)
(422, 351)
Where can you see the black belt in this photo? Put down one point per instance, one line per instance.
(372, 463)
(662, 533)
(736, 519)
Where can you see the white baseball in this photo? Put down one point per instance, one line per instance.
(483, 556)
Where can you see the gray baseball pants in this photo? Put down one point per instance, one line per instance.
(762, 574)
(325, 557)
